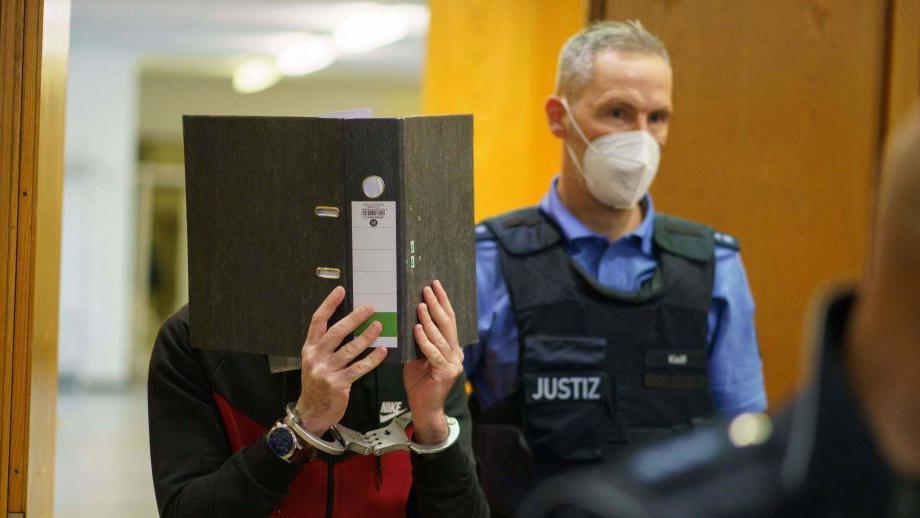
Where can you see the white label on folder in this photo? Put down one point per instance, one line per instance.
(373, 264)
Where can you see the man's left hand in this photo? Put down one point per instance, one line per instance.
(428, 380)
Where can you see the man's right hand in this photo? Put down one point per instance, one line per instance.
(325, 374)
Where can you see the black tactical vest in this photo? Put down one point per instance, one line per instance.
(600, 369)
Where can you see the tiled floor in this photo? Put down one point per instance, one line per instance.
(102, 456)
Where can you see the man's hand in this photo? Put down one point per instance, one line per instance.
(428, 380)
(325, 374)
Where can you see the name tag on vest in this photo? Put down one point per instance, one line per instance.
(559, 387)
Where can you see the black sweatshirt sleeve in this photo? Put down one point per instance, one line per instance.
(194, 472)
(445, 483)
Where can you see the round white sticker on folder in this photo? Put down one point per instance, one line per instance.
(373, 186)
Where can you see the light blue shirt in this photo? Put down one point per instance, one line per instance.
(735, 372)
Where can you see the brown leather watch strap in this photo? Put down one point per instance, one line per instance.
(305, 454)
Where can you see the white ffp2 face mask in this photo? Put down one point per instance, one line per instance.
(618, 168)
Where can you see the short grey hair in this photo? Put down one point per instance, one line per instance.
(576, 59)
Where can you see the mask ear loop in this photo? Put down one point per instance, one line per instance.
(568, 111)
(571, 153)
(568, 147)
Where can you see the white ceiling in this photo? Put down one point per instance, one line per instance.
(210, 37)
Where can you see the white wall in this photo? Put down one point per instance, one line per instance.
(98, 217)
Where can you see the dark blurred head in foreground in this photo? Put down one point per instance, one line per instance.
(883, 354)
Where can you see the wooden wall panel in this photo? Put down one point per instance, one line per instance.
(775, 136)
(497, 60)
(33, 62)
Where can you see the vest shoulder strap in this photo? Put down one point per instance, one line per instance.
(523, 231)
(528, 230)
(684, 238)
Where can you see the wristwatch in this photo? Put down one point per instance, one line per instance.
(284, 443)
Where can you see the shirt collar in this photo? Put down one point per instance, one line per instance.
(573, 228)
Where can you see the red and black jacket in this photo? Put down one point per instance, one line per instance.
(209, 411)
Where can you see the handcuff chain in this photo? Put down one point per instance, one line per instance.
(379, 441)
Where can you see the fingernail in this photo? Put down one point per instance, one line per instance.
(366, 307)
(377, 325)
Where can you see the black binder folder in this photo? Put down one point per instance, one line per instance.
(283, 209)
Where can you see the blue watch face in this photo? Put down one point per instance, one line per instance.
(281, 442)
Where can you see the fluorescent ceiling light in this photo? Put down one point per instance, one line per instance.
(255, 75)
(309, 53)
(377, 26)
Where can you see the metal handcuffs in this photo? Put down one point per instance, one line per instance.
(377, 442)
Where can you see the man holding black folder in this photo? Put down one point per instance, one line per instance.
(211, 454)
(603, 323)
(250, 414)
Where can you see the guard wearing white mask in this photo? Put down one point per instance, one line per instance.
(604, 324)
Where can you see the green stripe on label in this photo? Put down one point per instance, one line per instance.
(387, 319)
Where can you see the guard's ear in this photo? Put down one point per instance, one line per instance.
(556, 117)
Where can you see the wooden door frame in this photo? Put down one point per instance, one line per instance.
(33, 61)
